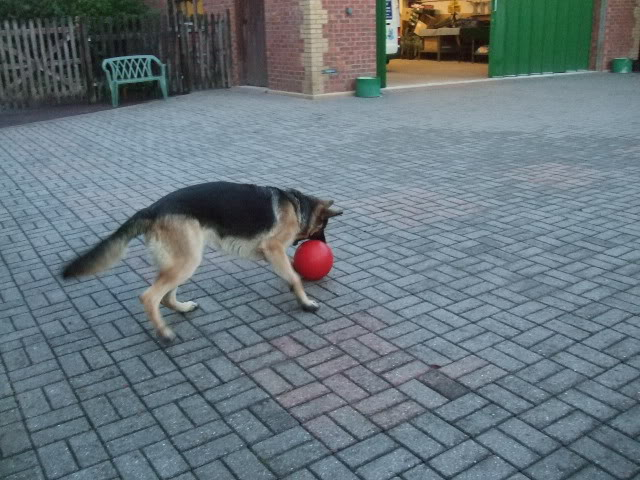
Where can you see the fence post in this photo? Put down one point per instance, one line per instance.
(229, 50)
(85, 58)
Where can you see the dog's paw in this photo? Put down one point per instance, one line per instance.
(311, 306)
(167, 335)
(188, 307)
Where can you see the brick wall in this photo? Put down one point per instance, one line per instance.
(284, 45)
(352, 43)
(622, 31)
(634, 52)
(305, 37)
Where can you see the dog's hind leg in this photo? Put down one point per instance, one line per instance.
(178, 248)
(277, 257)
(172, 302)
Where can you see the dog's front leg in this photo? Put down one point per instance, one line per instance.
(277, 257)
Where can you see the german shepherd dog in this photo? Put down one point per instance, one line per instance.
(243, 220)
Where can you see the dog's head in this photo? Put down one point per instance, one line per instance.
(315, 215)
(320, 219)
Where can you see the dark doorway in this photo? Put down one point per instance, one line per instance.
(253, 48)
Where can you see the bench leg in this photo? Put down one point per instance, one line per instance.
(163, 87)
(114, 94)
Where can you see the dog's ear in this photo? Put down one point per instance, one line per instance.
(332, 212)
(328, 212)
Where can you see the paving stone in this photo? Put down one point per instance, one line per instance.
(590, 472)
(282, 442)
(213, 450)
(57, 460)
(571, 427)
(200, 435)
(271, 381)
(100, 411)
(490, 468)
(529, 436)
(248, 426)
(87, 449)
(492, 307)
(616, 440)
(14, 439)
(101, 471)
(422, 394)
(366, 380)
(245, 465)
(345, 388)
(353, 422)
(605, 458)
(134, 465)
(546, 413)
(331, 468)
(482, 419)
(416, 441)
(420, 472)
(197, 409)
(273, 416)
(366, 450)
(445, 386)
(380, 401)
(440, 430)
(215, 470)
(135, 440)
(297, 457)
(461, 407)
(508, 449)
(317, 406)
(329, 433)
(165, 459)
(557, 465)
(388, 465)
(459, 458)
(504, 398)
(302, 474)
(628, 422)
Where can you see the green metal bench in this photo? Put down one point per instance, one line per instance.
(133, 69)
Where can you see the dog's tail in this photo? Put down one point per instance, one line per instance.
(109, 250)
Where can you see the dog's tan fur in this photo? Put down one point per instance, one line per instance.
(178, 243)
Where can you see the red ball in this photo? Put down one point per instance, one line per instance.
(313, 259)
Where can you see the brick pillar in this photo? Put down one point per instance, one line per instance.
(327, 38)
(314, 18)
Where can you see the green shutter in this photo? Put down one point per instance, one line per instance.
(539, 36)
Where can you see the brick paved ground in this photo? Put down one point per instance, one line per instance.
(482, 320)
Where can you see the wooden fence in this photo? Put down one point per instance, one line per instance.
(52, 61)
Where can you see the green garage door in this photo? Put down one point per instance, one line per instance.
(539, 36)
